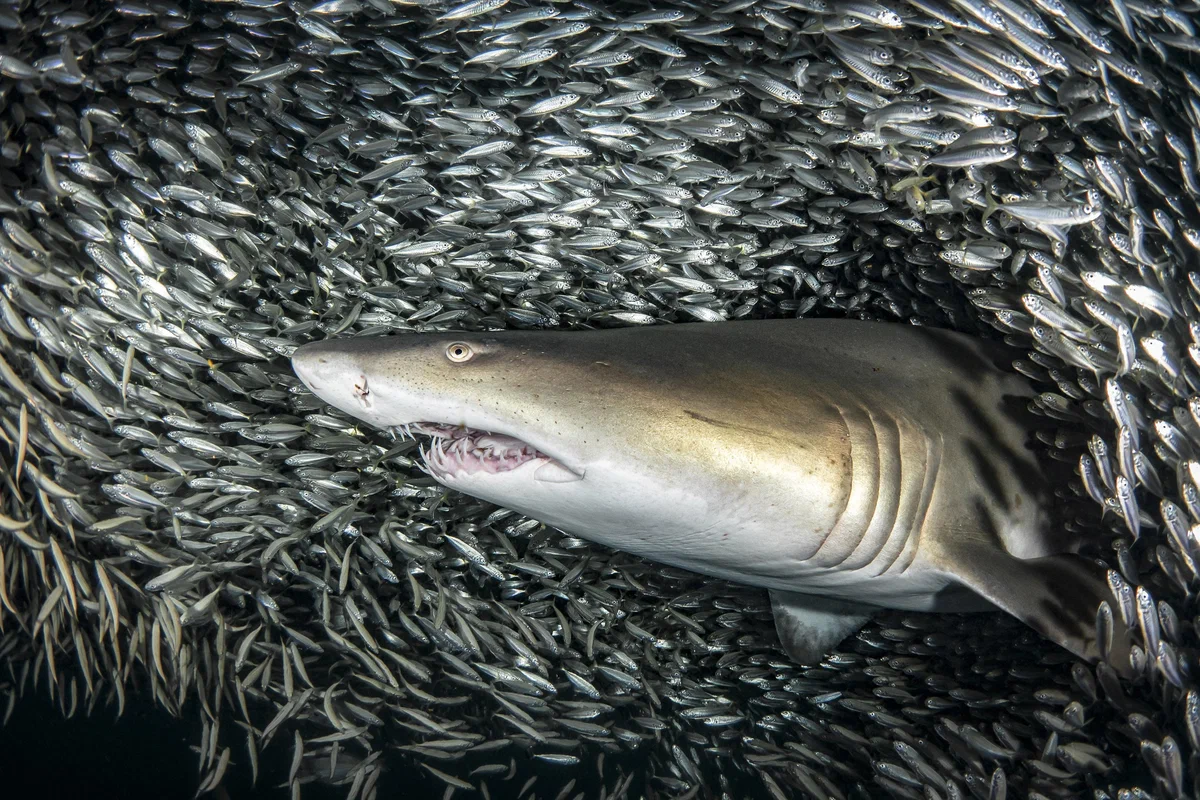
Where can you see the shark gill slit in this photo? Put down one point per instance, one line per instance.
(933, 462)
(917, 479)
(912, 469)
(840, 542)
(889, 494)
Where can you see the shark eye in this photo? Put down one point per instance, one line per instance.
(459, 352)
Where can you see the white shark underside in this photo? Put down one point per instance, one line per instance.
(843, 465)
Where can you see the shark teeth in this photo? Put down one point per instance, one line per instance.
(455, 449)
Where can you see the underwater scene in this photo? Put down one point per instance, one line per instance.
(572, 400)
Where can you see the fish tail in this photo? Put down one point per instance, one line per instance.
(992, 206)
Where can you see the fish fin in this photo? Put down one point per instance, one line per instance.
(810, 627)
(1058, 596)
(991, 208)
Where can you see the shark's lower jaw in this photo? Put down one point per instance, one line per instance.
(456, 450)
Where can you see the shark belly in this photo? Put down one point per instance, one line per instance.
(772, 529)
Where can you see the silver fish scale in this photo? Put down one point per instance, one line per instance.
(189, 193)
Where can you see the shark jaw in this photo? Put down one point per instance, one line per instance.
(458, 451)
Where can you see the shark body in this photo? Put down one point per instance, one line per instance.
(844, 466)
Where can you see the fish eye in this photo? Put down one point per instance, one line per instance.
(458, 352)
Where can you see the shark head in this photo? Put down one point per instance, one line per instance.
(477, 396)
(642, 444)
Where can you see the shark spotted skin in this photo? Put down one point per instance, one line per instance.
(845, 466)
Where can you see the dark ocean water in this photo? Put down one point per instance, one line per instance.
(146, 753)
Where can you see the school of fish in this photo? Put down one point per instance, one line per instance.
(190, 191)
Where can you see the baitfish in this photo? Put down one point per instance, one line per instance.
(843, 465)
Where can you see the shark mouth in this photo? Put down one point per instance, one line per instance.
(454, 450)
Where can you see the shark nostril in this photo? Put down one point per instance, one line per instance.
(362, 391)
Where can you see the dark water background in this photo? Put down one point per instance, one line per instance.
(147, 753)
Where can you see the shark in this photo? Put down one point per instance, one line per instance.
(845, 466)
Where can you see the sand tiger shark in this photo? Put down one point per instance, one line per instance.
(845, 466)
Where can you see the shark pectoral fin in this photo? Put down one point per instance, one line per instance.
(810, 627)
(1058, 596)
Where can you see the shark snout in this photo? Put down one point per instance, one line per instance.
(310, 362)
(334, 375)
